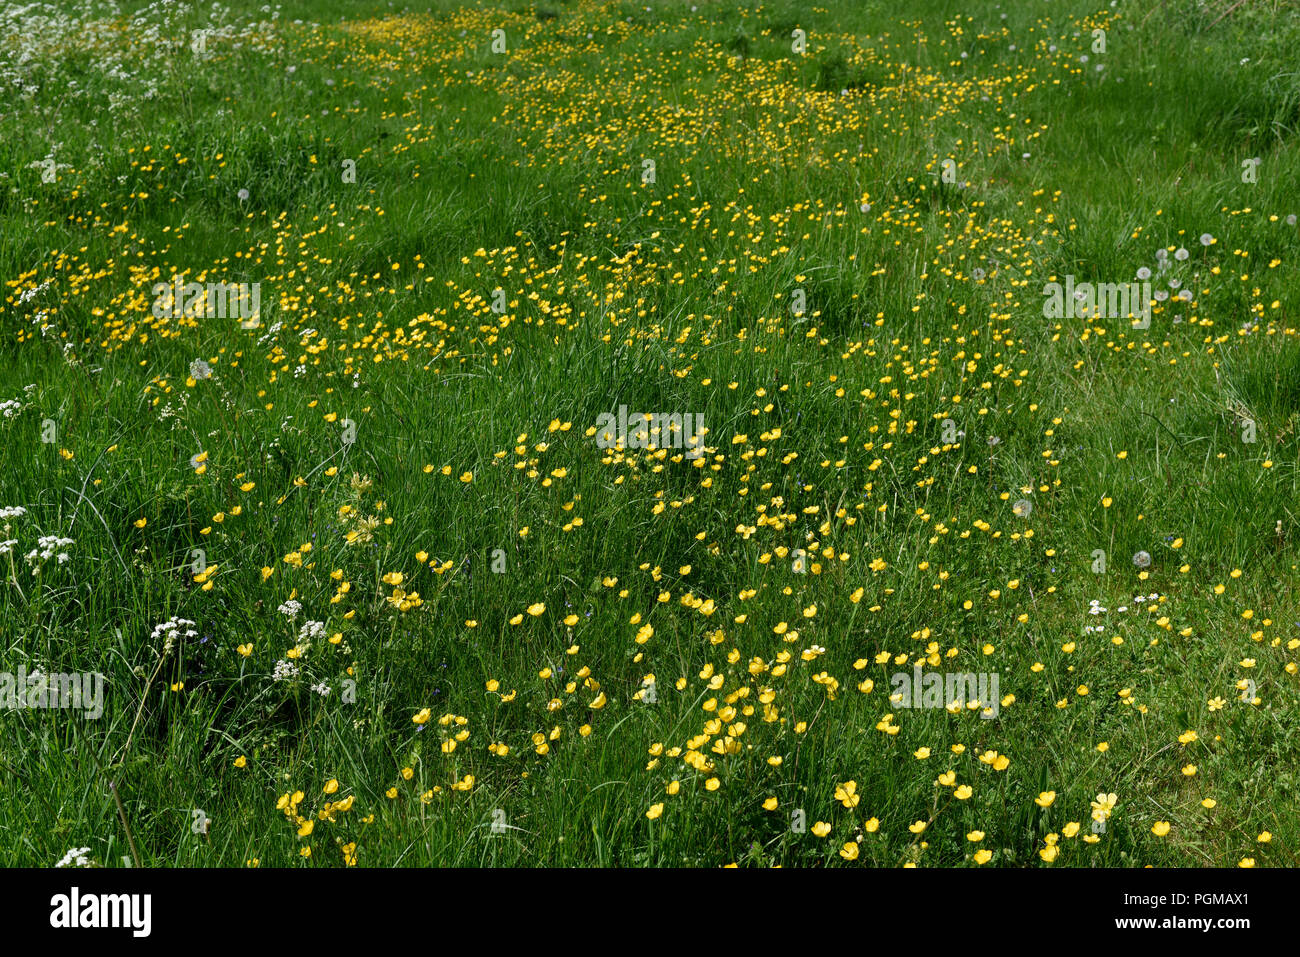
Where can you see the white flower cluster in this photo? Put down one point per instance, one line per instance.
(311, 630)
(76, 856)
(131, 57)
(321, 689)
(290, 609)
(170, 629)
(47, 547)
(270, 333)
(1095, 607)
(27, 295)
(285, 670)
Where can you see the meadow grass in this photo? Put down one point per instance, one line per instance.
(532, 649)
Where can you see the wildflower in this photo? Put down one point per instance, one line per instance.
(76, 857)
(285, 671)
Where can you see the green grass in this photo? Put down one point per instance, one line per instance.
(379, 354)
